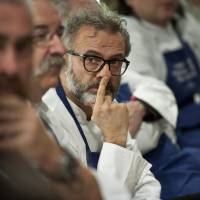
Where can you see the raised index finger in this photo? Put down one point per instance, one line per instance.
(102, 90)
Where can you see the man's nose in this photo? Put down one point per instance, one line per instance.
(105, 71)
(9, 62)
(57, 45)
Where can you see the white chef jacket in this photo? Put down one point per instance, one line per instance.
(149, 41)
(110, 189)
(194, 10)
(125, 164)
(159, 96)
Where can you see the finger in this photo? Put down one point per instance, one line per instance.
(11, 126)
(102, 91)
(7, 132)
(10, 102)
(10, 97)
(108, 99)
(8, 142)
(7, 115)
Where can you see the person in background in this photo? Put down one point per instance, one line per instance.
(193, 6)
(165, 46)
(180, 73)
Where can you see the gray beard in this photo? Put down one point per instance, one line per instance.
(78, 89)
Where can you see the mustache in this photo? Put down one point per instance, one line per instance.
(56, 60)
(13, 84)
(53, 60)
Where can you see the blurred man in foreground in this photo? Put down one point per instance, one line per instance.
(33, 166)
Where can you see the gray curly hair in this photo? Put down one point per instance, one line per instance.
(101, 19)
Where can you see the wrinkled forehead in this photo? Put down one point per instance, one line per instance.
(102, 41)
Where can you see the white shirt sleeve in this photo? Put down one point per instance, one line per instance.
(155, 93)
(158, 95)
(110, 188)
(130, 168)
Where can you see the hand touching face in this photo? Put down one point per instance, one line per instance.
(111, 117)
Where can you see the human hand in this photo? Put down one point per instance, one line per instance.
(137, 111)
(22, 132)
(111, 117)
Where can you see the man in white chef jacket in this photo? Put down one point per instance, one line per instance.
(82, 109)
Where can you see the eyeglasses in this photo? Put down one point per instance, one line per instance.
(42, 36)
(95, 64)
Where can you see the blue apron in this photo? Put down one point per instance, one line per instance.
(178, 170)
(124, 93)
(92, 157)
(184, 79)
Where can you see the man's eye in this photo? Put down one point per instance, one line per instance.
(2, 44)
(116, 62)
(60, 32)
(3, 41)
(94, 60)
(24, 45)
(39, 37)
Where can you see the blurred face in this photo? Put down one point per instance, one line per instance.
(155, 11)
(89, 41)
(48, 46)
(15, 48)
